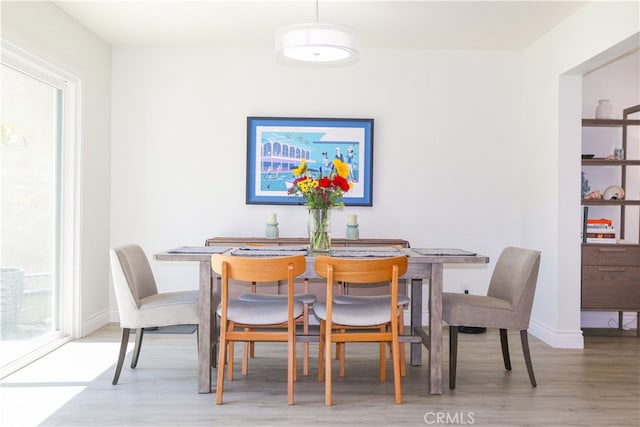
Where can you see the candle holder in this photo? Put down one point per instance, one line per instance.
(352, 232)
(271, 232)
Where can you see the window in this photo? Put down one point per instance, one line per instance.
(38, 176)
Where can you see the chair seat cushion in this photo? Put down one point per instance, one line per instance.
(478, 310)
(170, 308)
(362, 299)
(169, 298)
(264, 313)
(374, 313)
(303, 298)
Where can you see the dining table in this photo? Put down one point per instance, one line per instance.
(425, 268)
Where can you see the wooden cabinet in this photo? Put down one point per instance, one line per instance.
(611, 272)
(317, 287)
(611, 277)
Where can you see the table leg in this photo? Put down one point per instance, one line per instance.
(204, 329)
(435, 329)
(416, 320)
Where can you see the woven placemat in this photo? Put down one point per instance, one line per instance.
(364, 252)
(444, 252)
(199, 250)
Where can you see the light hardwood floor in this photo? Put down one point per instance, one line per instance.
(597, 386)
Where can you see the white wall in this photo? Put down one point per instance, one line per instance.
(445, 142)
(551, 159)
(44, 30)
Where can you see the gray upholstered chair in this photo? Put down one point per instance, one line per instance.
(371, 322)
(507, 305)
(139, 303)
(249, 321)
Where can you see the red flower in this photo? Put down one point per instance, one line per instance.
(324, 182)
(340, 182)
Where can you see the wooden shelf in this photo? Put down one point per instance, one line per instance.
(605, 162)
(610, 202)
(614, 245)
(609, 122)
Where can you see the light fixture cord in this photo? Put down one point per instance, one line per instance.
(317, 12)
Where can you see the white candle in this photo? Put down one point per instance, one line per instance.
(271, 219)
(352, 219)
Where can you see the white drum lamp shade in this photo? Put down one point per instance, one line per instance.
(317, 43)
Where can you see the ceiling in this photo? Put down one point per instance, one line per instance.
(395, 24)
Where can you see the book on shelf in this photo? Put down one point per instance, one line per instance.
(599, 222)
(597, 230)
(599, 227)
(601, 240)
(609, 233)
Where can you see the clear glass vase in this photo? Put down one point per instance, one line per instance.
(319, 230)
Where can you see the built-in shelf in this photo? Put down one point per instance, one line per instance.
(610, 271)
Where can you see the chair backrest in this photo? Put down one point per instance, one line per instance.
(257, 269)
(361, 270)
(132, 279)
(514, 279)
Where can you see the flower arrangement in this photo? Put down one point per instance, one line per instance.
(320, 195)
(323, 192)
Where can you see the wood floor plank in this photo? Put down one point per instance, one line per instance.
(599, 385)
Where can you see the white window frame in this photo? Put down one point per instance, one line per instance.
(70, 319)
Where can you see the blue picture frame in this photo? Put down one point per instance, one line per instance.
(275, 146)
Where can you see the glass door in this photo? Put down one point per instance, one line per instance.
(30, 213)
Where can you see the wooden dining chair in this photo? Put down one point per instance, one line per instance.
(255, 321)
(403, 302)
(307, 299)
(371, 322)
(507, 305)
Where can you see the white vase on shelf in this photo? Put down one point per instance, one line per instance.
(604, 110)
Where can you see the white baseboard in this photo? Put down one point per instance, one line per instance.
(95, 322)
(114, 316)
(556, 338)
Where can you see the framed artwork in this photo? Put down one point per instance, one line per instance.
(275, 146)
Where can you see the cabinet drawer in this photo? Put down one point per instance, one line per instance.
(611, 287)
(611, 255)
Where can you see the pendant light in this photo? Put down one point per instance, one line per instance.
(317, 42)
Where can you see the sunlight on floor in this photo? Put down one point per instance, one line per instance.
(32, 394)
